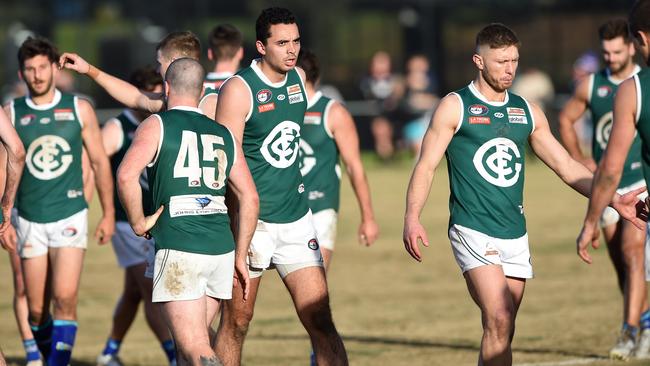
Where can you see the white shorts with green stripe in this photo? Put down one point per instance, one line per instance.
(473, 249)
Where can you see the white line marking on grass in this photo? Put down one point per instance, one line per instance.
(577, 361)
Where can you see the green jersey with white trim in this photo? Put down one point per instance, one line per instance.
(601, 102)
(271, 143)
(51, 187)
(319, 156)
(189, 176)
(486, 159)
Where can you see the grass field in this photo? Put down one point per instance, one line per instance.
(389, 309)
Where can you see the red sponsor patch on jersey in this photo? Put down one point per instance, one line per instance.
(516, 111)
(266, 107)
(479, 120)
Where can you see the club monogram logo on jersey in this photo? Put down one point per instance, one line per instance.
(498, 156)
(280, 148)
(48, 157)
(603, 129)
(307, 158)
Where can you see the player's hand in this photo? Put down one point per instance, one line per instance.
(590, 164)
(631, 208)
(148, 223)
(241, 276)
(588, 236)
(72, 61)
(413, 231)
(105, 229)
(8, 239)
(368, 232)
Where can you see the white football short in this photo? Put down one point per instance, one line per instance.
(129, 248)
(288, 247)
(182, 276)
(35, 238)
(325, 225)
(473, 249)
(610, 216)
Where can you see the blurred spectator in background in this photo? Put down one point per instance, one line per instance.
(419, 101)
(536, 86)
(387, 89)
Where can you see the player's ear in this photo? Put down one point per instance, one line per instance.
(478, 61)
(631, 49)
(20, 74)
(210, 54)
(261, 48)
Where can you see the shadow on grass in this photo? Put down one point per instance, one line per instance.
(453, 345)
(19, 361)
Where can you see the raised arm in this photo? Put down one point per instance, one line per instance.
(15, 165)
(101, 167)
(240, 183)
(569, 115)
(611, 166)
(117, 88)
(341, 125)
(141, 152)
(436, 139)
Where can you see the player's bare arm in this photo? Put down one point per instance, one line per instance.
(342, 126)
(117, 88)
(112, 136)
(142, 151)
(610, 170)
(570, 114)
(15, 164)
(101, 167)
(439, 133)
(235, 105)
(208, 105)
(240, 182)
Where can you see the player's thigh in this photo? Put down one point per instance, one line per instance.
(186, 321)
(35, 272)
(66, 265)
(307, 286)
(632, 239)
(489, 289)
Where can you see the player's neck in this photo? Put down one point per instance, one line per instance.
(46, 98)
(181, 101)
(624, 73)
(272, 74)
(226, 67)
(488, 91)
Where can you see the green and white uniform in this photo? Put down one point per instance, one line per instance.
(51, 206)
(602, 89)
(319, 165)
(642, 86)
(212, 84)
(285, 233)
(486, 160)
(194, 244)
(129, 248)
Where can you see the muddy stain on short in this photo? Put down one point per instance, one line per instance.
(174, 279)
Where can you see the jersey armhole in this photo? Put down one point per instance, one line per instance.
(76, 111)
(532, 115)
(250, 92)
(160, 140)
(462, 111)
(326, 113)
(637, 86)
(592, 80)
(12, 113)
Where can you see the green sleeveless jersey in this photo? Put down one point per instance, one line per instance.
(128, 123)
(213, 81)
(601, 102)
(642, 85)
(51, 187)
(319, 156)
(271, 143)
(189, 176)
(485, 159)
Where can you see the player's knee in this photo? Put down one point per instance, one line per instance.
(65, 304)
(318, 317)
(500, 323)
(36, 316)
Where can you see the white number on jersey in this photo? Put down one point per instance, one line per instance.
(214, 175)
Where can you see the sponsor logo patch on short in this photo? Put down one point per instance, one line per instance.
(293, 89)
(313, 244)
(281, 96)
(265, 107)
(26, 119)
(69, 232)
(522, 120)
(264, 96)
(515, 111)
(63, 114)
(478, 109)
(479, 120)
(296, 98)
(313, 118)
(498, 115)
(603, 91)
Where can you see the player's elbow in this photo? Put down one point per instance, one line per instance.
(18, 152)
(124, 176)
